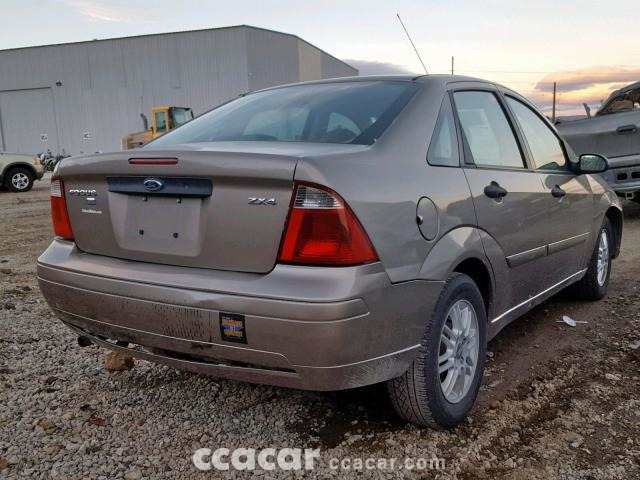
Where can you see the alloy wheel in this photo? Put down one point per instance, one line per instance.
(20, 181)
(458, 353)
(603, 258)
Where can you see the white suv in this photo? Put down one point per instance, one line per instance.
(19, 171)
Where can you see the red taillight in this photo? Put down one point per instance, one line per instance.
(59, 215)
(322, 230)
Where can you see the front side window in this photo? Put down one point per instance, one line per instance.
(487, 130)
(443, 150)
(340, 112)
(544, 145)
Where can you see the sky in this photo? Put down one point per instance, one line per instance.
(588, 47)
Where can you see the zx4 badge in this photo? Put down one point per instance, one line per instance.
(262, 201)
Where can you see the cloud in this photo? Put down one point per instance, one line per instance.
(367, 67)
(589, 77)
(588, 85)
(99, 11)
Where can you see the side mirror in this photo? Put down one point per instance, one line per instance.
(592, 163)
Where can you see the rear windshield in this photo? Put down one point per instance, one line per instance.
(348, 112)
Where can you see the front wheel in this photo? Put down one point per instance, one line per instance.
(19, 180)
(595, 283)
(440, 387)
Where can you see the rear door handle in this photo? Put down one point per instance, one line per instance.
(494, 190)
(558, 192)
(624, 129)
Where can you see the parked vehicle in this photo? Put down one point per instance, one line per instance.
(18, 171)
(163, 119)
(614, 131)
(333, 234)
(49, 161)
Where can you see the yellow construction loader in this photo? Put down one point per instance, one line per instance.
(163, 119)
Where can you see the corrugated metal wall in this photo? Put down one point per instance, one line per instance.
(105, 85)
(310, 62)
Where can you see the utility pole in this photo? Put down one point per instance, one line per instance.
(553, 111)
(451, 64)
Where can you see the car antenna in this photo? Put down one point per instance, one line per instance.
(412, 44)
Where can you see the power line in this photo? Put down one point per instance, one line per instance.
(515, 72)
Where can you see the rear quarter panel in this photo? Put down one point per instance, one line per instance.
(384, 183)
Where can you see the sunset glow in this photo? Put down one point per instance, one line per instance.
(588, 47)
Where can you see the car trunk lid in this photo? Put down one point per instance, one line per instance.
(222, 207)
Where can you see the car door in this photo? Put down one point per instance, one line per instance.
(508, 196)
(568, 197)
(617, 134)
(618, 131)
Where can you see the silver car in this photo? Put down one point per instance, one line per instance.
(613, 131)
(333, 234)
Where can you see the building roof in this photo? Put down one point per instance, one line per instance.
(177, 33)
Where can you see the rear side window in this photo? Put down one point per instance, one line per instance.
(545, 147)
(443, 150)
(487, 130)
(340, 112)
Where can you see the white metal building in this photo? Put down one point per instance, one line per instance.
(83, 97)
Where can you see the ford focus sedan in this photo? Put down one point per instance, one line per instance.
(333, 234)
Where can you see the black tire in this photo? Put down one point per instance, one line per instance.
(417, 395)
(24, 174)
(589, 288)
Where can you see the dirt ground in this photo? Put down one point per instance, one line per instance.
(557, 401)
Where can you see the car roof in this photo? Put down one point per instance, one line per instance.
(432, 79)
(440, 80)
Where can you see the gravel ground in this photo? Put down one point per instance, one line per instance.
(557, 402)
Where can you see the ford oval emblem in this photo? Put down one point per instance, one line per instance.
(153, 184)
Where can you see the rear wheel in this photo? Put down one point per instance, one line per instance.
(440, 387)
(595, 283)
(19, 180)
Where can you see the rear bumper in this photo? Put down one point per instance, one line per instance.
(308, 328)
